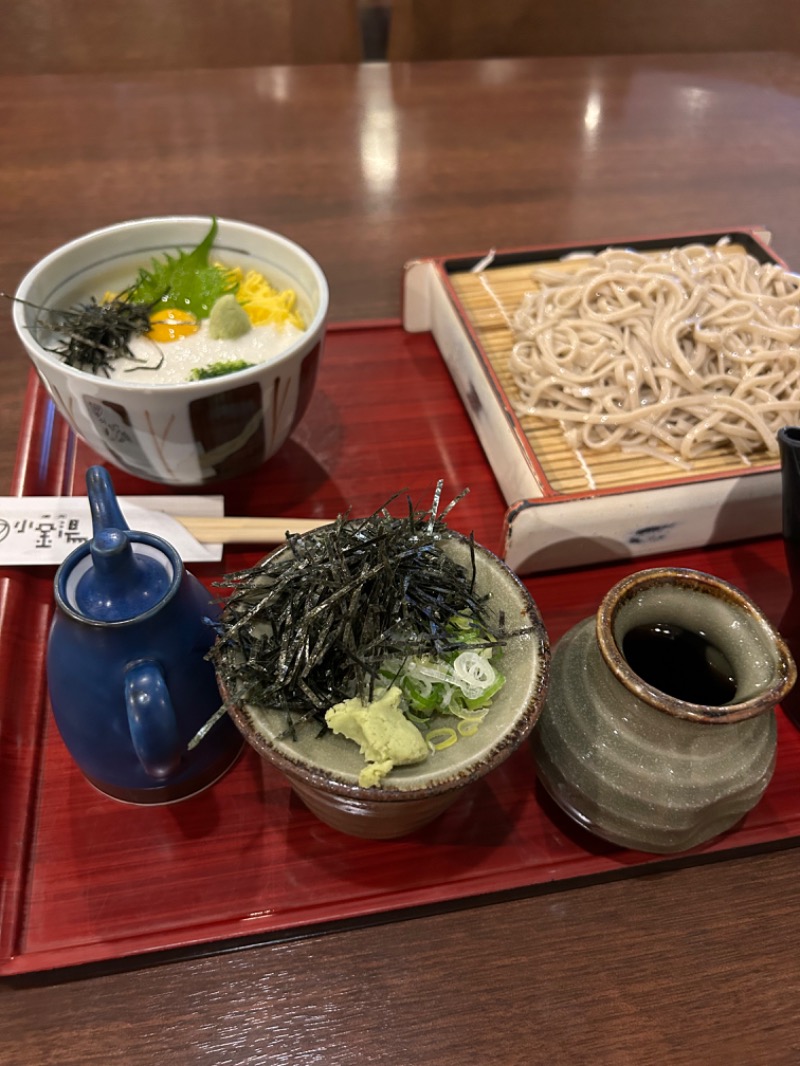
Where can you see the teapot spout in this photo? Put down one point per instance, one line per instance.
(122, 583)
(103, 503)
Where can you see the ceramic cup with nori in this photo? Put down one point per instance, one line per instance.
(323, 768)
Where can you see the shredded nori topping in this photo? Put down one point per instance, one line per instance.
(90, 336)
(313, 624)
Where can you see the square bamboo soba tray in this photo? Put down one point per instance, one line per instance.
(568, 507)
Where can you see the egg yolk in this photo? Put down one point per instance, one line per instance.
(171, 324)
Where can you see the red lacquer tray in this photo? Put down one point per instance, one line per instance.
(88, 879)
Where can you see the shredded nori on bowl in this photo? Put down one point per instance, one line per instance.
(312, 624)
(90, 336)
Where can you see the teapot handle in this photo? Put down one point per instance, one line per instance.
(151, 718)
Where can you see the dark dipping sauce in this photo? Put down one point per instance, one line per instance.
(680, 663)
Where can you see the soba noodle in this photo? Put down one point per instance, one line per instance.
(670, 354)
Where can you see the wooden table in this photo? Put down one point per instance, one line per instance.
(370, 167)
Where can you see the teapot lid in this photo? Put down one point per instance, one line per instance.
(126, 575)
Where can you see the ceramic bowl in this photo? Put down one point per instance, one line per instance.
(323, 770)
(195, 432)
(662, 758)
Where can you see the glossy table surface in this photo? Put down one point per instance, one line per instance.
(369, 167)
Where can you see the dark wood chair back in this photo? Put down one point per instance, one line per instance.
(73, 36)
(467, 29)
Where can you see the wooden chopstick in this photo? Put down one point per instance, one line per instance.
(225, 530)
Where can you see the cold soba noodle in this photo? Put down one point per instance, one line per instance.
(669, 354)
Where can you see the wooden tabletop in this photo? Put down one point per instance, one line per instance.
(369, 167)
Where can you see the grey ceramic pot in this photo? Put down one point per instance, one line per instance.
(643, 768)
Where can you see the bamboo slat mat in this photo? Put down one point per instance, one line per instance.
(487, 299)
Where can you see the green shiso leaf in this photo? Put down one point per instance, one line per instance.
(187, 281)
(217, 370)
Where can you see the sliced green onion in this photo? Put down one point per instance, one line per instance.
(439, 739)
(468, 727)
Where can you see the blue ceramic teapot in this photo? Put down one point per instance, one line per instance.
(126, 670)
